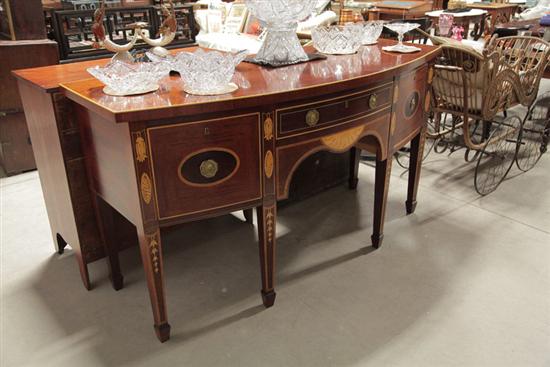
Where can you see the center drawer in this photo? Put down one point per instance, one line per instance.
(296, 120)
(206, 165)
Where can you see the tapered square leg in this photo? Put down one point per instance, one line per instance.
(108, 230)
(249, 215)
(381, 187)
(355, 157)
(417, 152)
(163, 332)
(266, 236)
(151, 256)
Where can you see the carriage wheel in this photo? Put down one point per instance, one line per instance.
(471, 155)
(534, 137)
(498, 155)
(402, 156)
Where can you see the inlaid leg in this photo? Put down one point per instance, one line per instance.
(248, 215)
(84, 274)
(108, 229)
(355, 157)
(267, 217)
(381, 186)
(415, 164)
(151, 256)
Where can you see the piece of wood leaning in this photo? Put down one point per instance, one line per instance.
(168, 157)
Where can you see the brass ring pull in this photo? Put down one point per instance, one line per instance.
(209, 168)
(373, 101)
(312, 118)
(412, 103)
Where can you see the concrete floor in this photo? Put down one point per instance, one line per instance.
(465, 281)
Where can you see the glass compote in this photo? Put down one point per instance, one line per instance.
(207, 73)
(123, 79)
(337, 40)
(401, 29)
(280, 17)
(372, 31)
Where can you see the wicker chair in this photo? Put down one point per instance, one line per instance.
(472, 91)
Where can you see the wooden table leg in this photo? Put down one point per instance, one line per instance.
(381, 187)
(248, 215)
(355, 157)
(151, 256)
(267, 218)
(107, 230)
(415, 163)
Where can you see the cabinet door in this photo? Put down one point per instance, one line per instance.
(206, 165)
(408, 116)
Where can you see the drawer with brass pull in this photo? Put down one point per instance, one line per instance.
(303, 118)
(206, 164)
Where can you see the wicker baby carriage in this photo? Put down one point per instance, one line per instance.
(471, 95)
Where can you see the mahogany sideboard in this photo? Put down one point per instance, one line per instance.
(58, 153)
(166, 157)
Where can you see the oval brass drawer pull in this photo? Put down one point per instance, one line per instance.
(312, 118)
(209, 168)
(373, 101)
(412, 103)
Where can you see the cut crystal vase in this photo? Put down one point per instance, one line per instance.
(280, 18)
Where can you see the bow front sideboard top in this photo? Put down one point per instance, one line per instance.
(165, 158)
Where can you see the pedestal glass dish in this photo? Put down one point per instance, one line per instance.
(401, 29)
(337, 40)
(207, 73)
(372, 31)
(123, 79)
(280, 18)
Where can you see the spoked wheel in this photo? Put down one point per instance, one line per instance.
(498, 155)
(402, 156)
(471, 155)
(534, 136)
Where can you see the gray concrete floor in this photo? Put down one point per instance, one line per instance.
(465, 281)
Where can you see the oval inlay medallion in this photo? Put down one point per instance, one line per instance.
(146, 188)
(268, 164)
(141, 149)
(268, 129)
(208, 167)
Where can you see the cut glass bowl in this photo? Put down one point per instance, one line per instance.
(280, 17)
(372, 31)
(401, 29)
(338, 40)
(207, 73)
(123, 79)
